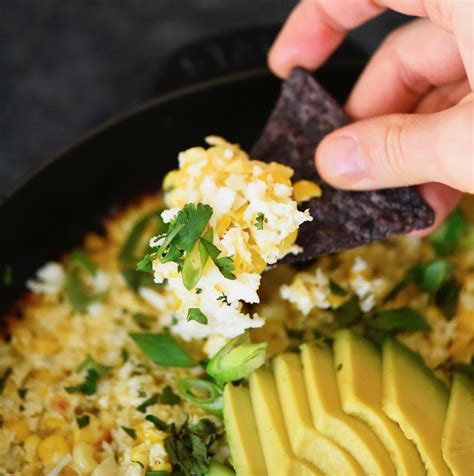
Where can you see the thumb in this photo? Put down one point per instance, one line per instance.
(402, 149)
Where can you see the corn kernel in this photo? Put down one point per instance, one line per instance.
(31, 445)
(146, 431)
(304, 190)
(67, 472)
(289, 240)
(46, 344)
(19, 428)
(222, 225)
(52, 449)
(83, 455)
(52, 422)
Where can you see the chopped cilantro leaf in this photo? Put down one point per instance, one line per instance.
(195, 314)
(168, 397)
(198, 290)
(95, 372)
(337, 289)
(83, 421)
(398, 320)
(130, 432)
(223, 298)
(294, 333)
(447, 237)
(259, 221)
(142, 320)
(157, 473)
(348, 313)
(22, 393)
(188, 448)
(339, 367)
(124, 354)
(447, 298)
(158, 422)
(77, 292)
(225, 264)
(4, 377)
(142, 408)
(163, 349)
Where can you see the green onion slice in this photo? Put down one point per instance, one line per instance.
(236, 360)
(203, 393)
(163, 349)
(399, 320)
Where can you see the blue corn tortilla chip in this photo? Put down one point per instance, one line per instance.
(303, 115)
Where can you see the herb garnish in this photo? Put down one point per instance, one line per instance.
(142, 408)
(77, 292)
(337, 289)
(259, 221)
(4, 377)
(212, 401)
(143, 320)
(124, 354)
(195, 314)
(163, 350)
(447, 237)
(187, 244)
(130, 432)
(198, 290)
(134, 247)
(22, 393)
(166, 397)
(188, 447)
(223, 298)
(398, 320)
(83, 421)
(95, 372)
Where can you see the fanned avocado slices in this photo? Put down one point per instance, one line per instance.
(415, 399)
(307, 443)
(359, 379)
(457, 441)
(329, 418)
(241, 430)
(279, 457)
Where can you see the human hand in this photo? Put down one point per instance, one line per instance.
(413, 104)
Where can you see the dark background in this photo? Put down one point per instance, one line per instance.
(66, 66)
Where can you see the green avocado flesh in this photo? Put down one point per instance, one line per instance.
(277, 452)
(329, 418)
(457, 441)
(415, 399)
(242, 435)
(307, 443)
(359, 362)
(349, 411)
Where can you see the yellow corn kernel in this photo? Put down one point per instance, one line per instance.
(52, 449)
(44, 376)
(258, 263)
(19, 428)
(107, 419)
(108, 467)
(52, 422)
(304, 190)
(146, 431)
(281, 173)
(83, 456)
(165, 467)
(31, 445)
(46, 344)
(336, 300)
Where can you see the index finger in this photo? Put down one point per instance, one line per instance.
(316, 27)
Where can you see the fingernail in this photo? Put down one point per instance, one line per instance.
(340, 161)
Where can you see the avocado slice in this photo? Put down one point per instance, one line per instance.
(218, 469)
(241, 430)
(415, 399)
(359, 362)
(457, 441)
(275, 443)
(307, 443)
(329, 418)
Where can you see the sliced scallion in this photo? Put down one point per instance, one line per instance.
(203, 393)
(236, 360)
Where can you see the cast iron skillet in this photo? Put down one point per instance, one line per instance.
(72, 193)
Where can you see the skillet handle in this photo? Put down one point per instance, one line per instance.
(215, 57)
